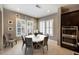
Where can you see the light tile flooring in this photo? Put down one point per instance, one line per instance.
(53, 49)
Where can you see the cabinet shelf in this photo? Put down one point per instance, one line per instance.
(69, 36)
(68, 43)
(69, 28)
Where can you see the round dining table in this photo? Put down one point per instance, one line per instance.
(37, 38)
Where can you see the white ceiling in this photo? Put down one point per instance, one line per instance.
(32, 10)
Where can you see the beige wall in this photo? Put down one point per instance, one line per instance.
(1, 30)
(1, 37)
(56, 25)
(10, 15)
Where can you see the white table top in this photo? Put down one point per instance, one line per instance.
(37, 38)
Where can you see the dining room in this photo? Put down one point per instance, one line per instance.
(31, 29)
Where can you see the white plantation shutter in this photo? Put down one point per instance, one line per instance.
(46, 26)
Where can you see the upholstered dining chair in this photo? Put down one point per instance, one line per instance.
(40, 33)
(40, 44)
(29, 46)
(45, 43)
(4, 41)
(23, 41)
(29, 33)
(8, 41)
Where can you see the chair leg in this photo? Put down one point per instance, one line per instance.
(22, 45)
(43, 50)
(47, 47)
(25, 50)
(32, 49)
(12, 44)
(5, 45)
(16, 41)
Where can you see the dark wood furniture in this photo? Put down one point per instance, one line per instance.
(39, 42)
(70, 19)
(29, 46)
(45, 43)
(23, 41)
(69, 37)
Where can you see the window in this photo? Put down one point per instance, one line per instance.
(29, 26)
(20, 27)
(42, 27)
(46, 27)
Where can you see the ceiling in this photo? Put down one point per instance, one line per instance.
(38, 11)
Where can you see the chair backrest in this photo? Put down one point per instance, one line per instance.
(4, 39)
(45, 40)
(40, 33)
(29, 33)
(23, 39)
(35, 34)
(28, 41)
(9, 36)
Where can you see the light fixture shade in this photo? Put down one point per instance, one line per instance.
(38, 6)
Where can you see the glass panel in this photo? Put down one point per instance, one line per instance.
(46, 26)
(51, 32)
(47, 23)
(29, 26)
(47, 31)
(51, 23)
(20, 27)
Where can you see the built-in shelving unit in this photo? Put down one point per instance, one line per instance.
(69, 37)
(70, 27)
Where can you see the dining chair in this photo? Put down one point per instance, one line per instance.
(8, 41)
(4, 41)
(29, 33)
(40, 44)
(23, 40)
(40, 33)
(29, 46)
(45, 43)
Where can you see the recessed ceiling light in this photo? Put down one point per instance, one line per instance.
(48, 11)
(18, 9)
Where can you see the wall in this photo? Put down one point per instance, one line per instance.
(10, 15)
(1, 39)
(56, 25)
(0, 30)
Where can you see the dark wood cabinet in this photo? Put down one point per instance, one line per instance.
(70, 19)
(69, 37)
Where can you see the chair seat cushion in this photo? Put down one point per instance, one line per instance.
(11, 40)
